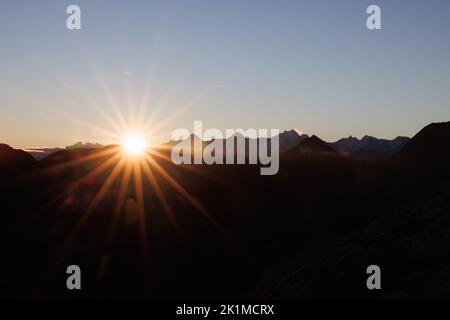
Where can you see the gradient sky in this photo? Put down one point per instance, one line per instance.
(311, 65)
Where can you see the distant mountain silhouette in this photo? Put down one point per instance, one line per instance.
(290, 139)
(369, 148)
(41, 153)
(14, 158)
(87, 145)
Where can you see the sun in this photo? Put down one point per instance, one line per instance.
(134, 144)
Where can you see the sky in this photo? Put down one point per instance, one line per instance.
(309, 65)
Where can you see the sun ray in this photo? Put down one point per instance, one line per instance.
(196, 99)
(100, 168)
(58, 197)
(163, 101)
(141, 217)
(130, 100)
(189, 168)
(97, 171)
(108, 133)
(90, 102)
(106, 185)
(150, 77)
(103, 84)
(55, 168)
(94, 156)
(160, 195)
(193, 201)
(120, 130)
(82, 219)
(123, 189)
(115, 220)
(151, 127)
(109, 96)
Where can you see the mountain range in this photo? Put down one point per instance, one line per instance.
(42, 153)
(228, 232)
(368, 148)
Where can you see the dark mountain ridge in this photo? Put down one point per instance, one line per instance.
(429, 145)
(11, 159)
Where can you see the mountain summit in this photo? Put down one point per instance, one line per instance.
(312, 146)
(290, 139)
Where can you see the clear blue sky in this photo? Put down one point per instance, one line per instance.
(311, 65)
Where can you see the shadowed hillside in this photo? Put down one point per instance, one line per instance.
(11, 159)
